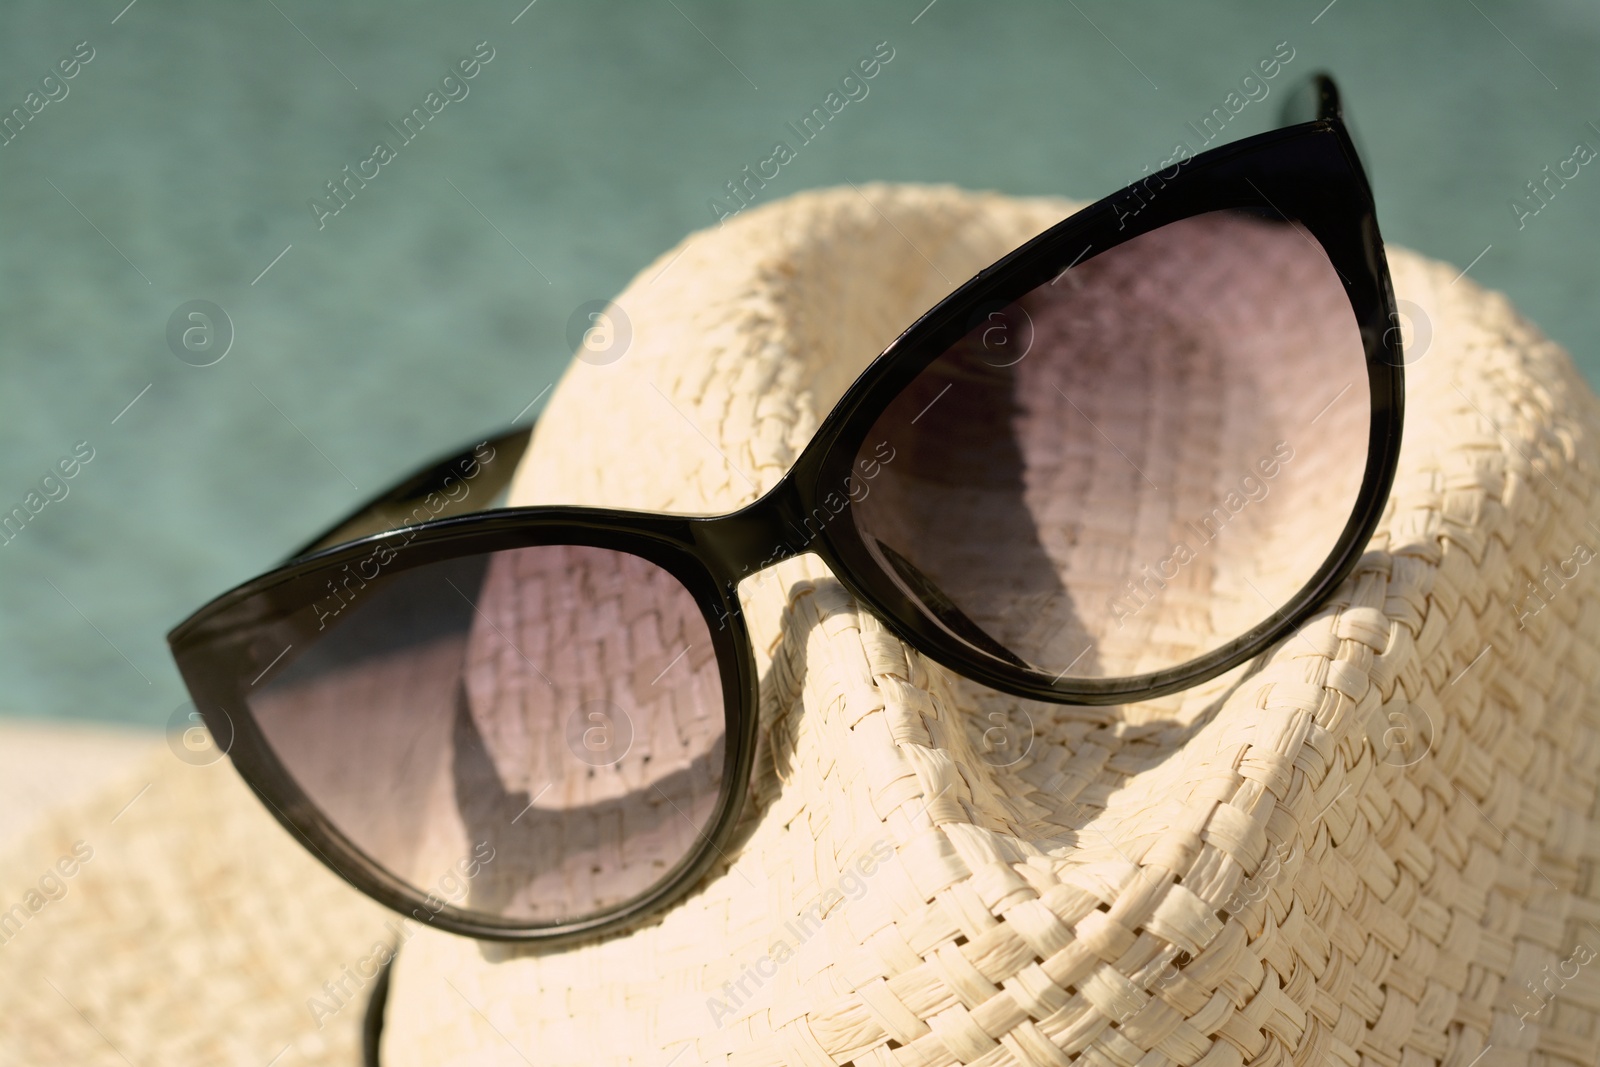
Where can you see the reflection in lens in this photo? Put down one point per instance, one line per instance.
(535, 734)
(1170, 460)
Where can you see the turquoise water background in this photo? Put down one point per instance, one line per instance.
(179, 164)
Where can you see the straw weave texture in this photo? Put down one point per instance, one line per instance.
(196, 933)
(1374, 846)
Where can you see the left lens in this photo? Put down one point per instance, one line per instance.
(533, 735)
(1134, 463)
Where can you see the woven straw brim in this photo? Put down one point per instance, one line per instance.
(170, 920)
(1360, 851)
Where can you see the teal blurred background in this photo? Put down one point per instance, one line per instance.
(180, 162)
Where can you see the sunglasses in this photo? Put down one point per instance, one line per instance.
(1124, 459)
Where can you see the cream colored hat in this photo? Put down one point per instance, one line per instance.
(1375, 845)
(1362, 850)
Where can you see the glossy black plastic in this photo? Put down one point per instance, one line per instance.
(1308, 172)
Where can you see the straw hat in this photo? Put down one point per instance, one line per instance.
(1361, 850)
(1373, 846)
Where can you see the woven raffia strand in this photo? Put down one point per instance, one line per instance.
(198, 933)
(1359, 851)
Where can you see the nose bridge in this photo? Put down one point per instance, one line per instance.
(755, 537)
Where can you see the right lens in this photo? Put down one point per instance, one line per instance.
(1136, 462)
(534, 734)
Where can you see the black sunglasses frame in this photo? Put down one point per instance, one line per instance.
(1308, 173)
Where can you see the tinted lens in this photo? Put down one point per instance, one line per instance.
(1136, 462)
(535, 734)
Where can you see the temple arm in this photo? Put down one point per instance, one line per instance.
(470, 480)
(1315, 99)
